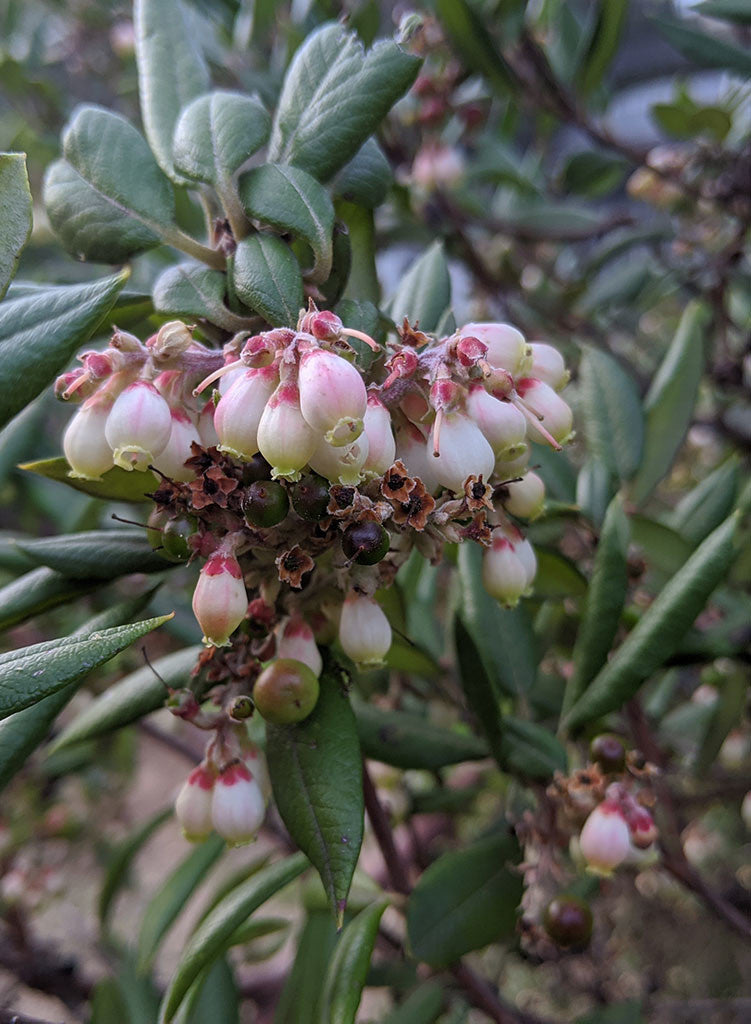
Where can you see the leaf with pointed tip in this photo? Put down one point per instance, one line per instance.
(191, 289)
(96, 554)
(39, 333)
(115, 485)
(611, 20)
(37, 591)
(613, 419)
(216, 134)
(703, 508)
(171, 72)
(267, 278)
(289, 199)
(704, 49)
(316, 774)
(334, 97)
(424, 292)
(410, 741)
(367, 177)
(423, 1006)
(214, 997)
(15, 200)
(348, 968)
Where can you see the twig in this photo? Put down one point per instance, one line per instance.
(395, 866)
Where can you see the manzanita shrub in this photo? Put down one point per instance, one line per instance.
(450, 618)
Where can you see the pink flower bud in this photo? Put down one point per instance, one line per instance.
(643, 829)
(526, 497)
(470, 351)
(237, 806)
(364, 630)
(322, 324)
(413, 450)
(380, 436)
(504, 575)
(332, 396)
(206, 429)
(219, 600)
(554, 414)
(548, 365)
(605, 841)
(504, 427)
(462, 451)
(171, 462)
(507, 348)
(294, 639)
(239, 411)
(193, 804)
(402, 364)
(256, 764)
(84, 442)
(415, 407)
(341, 465)
(526, 555)
(437, 164)
(285, 438)
(138, 426)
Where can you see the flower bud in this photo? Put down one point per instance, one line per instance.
(171, 462)
(239, 411)
(286, 691)
(526, 497)
(238, 806)
(256, 763)
(206, 429)
(501, 423)
(462, 451)
(84, 442)
(412, 450)
(507, 348)
(509, 469)
(193, 804)
(364, 630)
(341, 465)
(381, 443)
(605, 840)
(554, 414)
(219, 600)
(294, 639)
(285, 438)
(333, 399)
(643, 829)
(548, 365)
(172, 339)
(504, 575)
(138, 426)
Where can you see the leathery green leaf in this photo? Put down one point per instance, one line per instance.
(15, 199)
(95, 554)
(613, 419)
(410, 741)
(267, 278)
(216, 134)
(299, 999)
(348, 969)
(424, 292)
(37, 591)
(703, 508)
(191, 289)
(115, 485)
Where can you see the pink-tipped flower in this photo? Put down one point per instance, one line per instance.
(381, 443)
(462, 450)
(526, 497)
(219, 600)
(255, 761)
(239, 411)
(551, 415)
(507, 349)
(171, 462)
(605, 840)
(285, 438)
(364, 630)
(502, 424)
(294, 639)
(138, 426)
(85, 444)
(548, 365)
(332, 396)
(412, 450)
(206, 429)
(238, 806)
(504, 574)
(341, 465)
(193, 804)
(526, 555)
(643, 829)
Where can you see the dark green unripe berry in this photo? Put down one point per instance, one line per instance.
(286, 691)
(156, 522)
(310, 497)
(366, 542)
(568, 921)
(256, 468)
(609, 752)
(175, 538)
(266, 504)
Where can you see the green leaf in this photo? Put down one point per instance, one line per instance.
(612, 413)
(670, 401)
(557, 576)
(348, 969)
(191, 289)
(316, 774)
(15, 199)
(424, 292)
(216, 134)
(665, 549)
(302, 987)
(267, 278)
(480, 694)
(604, 604)
(703, 49)
(529, 750)
(172, 897)
(40, 333)
(216, 997)
(472, 42)
(290, 200)
(334, 97)
(409, 657)
(503, 636)
(738, 11)
(362, 284)
(703, 508)
(171, 71)
(32, 674)
(660, 629)
(410, 741)
(131, 698)
(115, 485)
(107, 199)
(366, 179)
(96, 554)
(422, 1006)
(121, 859)
(594, 489)
(595, 174)
(210, 937)
(464, 901)
(36, 592)
(611, 20)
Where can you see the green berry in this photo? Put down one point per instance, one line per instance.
(366, 543)
(256, 468)
(266, 504)
(568, 921)
(286, 691)
(176, 536)
(310, 497)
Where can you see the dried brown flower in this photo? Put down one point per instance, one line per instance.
(293, 565)
(397, 483)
